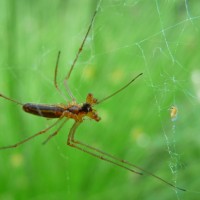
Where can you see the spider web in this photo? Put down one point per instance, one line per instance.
(159, 49)
(158, 38)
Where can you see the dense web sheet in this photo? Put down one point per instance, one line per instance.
(153, 123)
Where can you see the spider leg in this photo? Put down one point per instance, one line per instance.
(75, 60)
(55, 78)
(55, 74)
(75, 144)
(56, 132)
(9, 99)
(66, 114)
(77, 56)
(126, 162)
(71, 143)
(31, 137)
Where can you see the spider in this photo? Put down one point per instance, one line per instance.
(78, 112)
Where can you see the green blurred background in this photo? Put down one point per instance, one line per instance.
(158, 38)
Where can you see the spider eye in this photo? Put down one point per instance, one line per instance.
(86, 107)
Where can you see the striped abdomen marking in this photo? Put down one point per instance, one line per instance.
(48, 111)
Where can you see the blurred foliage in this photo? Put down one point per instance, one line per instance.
(158, 38)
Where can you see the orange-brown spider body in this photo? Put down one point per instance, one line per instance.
(72, 110)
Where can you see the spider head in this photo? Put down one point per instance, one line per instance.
(87, 107)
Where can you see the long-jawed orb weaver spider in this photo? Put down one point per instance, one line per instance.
(78, 112)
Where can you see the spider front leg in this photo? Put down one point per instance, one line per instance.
(71, 142)
(117, 161)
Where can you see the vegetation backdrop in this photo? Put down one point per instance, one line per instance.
(158, 38)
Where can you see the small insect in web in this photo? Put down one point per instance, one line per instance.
(173, 113)
(78, 112)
